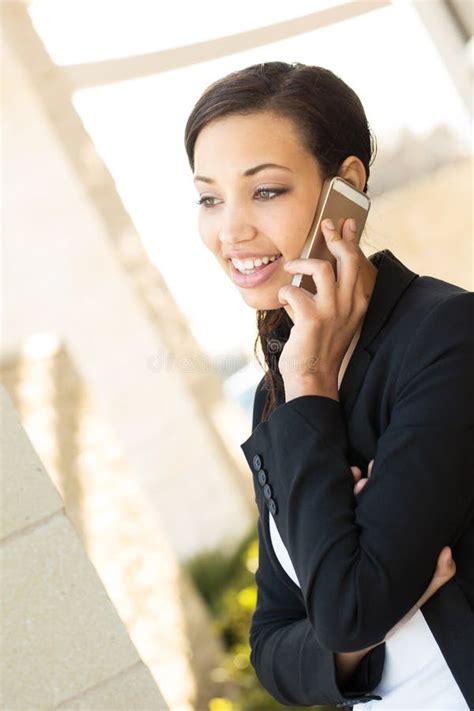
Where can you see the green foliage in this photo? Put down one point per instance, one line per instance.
(227, 584)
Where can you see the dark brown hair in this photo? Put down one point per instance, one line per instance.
(332, 124)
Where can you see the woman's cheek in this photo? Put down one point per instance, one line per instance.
(283, 225)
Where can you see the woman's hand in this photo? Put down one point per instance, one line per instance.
(323, 323)
(346, 662)
(357, 474)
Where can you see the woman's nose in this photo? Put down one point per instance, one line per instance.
(235, 227)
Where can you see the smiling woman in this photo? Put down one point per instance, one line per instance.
(348, 607)
(282, 129)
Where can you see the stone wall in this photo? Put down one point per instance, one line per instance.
(63, 643)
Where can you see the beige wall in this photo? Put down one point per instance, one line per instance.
(63, 644)
(164, 615)
(428, 223)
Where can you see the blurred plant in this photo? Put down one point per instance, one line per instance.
(227, 584)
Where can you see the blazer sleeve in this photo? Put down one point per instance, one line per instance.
(287, 657)
(363, 562)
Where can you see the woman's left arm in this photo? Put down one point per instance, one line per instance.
(362, 564)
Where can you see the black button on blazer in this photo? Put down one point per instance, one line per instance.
(406, 400)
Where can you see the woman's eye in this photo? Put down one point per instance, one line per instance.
(260, 191)
(265, 195)
(202, 201)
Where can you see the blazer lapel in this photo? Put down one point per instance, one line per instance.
(392, 279)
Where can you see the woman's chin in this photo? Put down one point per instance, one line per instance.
(260, 302)
(264, 297)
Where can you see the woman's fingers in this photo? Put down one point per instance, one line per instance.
(357, 474)
(324, 277)
(445, 568)
(360, 485)
(334, 286)
(347, 257)
(298, 299)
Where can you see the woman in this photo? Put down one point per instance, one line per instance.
(343, 570)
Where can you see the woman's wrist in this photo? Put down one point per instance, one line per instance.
(314, 385)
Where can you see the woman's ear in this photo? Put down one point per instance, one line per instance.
(352, 170)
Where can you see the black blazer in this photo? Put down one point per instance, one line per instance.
(406, 400)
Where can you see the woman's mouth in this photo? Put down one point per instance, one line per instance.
(257, 276)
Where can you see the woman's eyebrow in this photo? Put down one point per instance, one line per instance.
(249, 171)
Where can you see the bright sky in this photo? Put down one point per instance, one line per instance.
(386, 56)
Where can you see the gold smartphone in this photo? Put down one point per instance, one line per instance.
(339, 200)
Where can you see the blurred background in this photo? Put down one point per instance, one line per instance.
(125, 352)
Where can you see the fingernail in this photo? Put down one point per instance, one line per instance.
(352, 225)
(329, 224)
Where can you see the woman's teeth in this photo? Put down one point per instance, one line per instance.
(246, 266)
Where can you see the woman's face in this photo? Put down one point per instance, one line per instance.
(263, 213)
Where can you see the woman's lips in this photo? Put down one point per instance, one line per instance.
(257, 277)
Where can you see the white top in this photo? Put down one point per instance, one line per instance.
(415, 674)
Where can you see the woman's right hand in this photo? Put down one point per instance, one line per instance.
(445, 568)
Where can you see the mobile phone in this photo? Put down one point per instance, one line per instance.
(339, 200)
